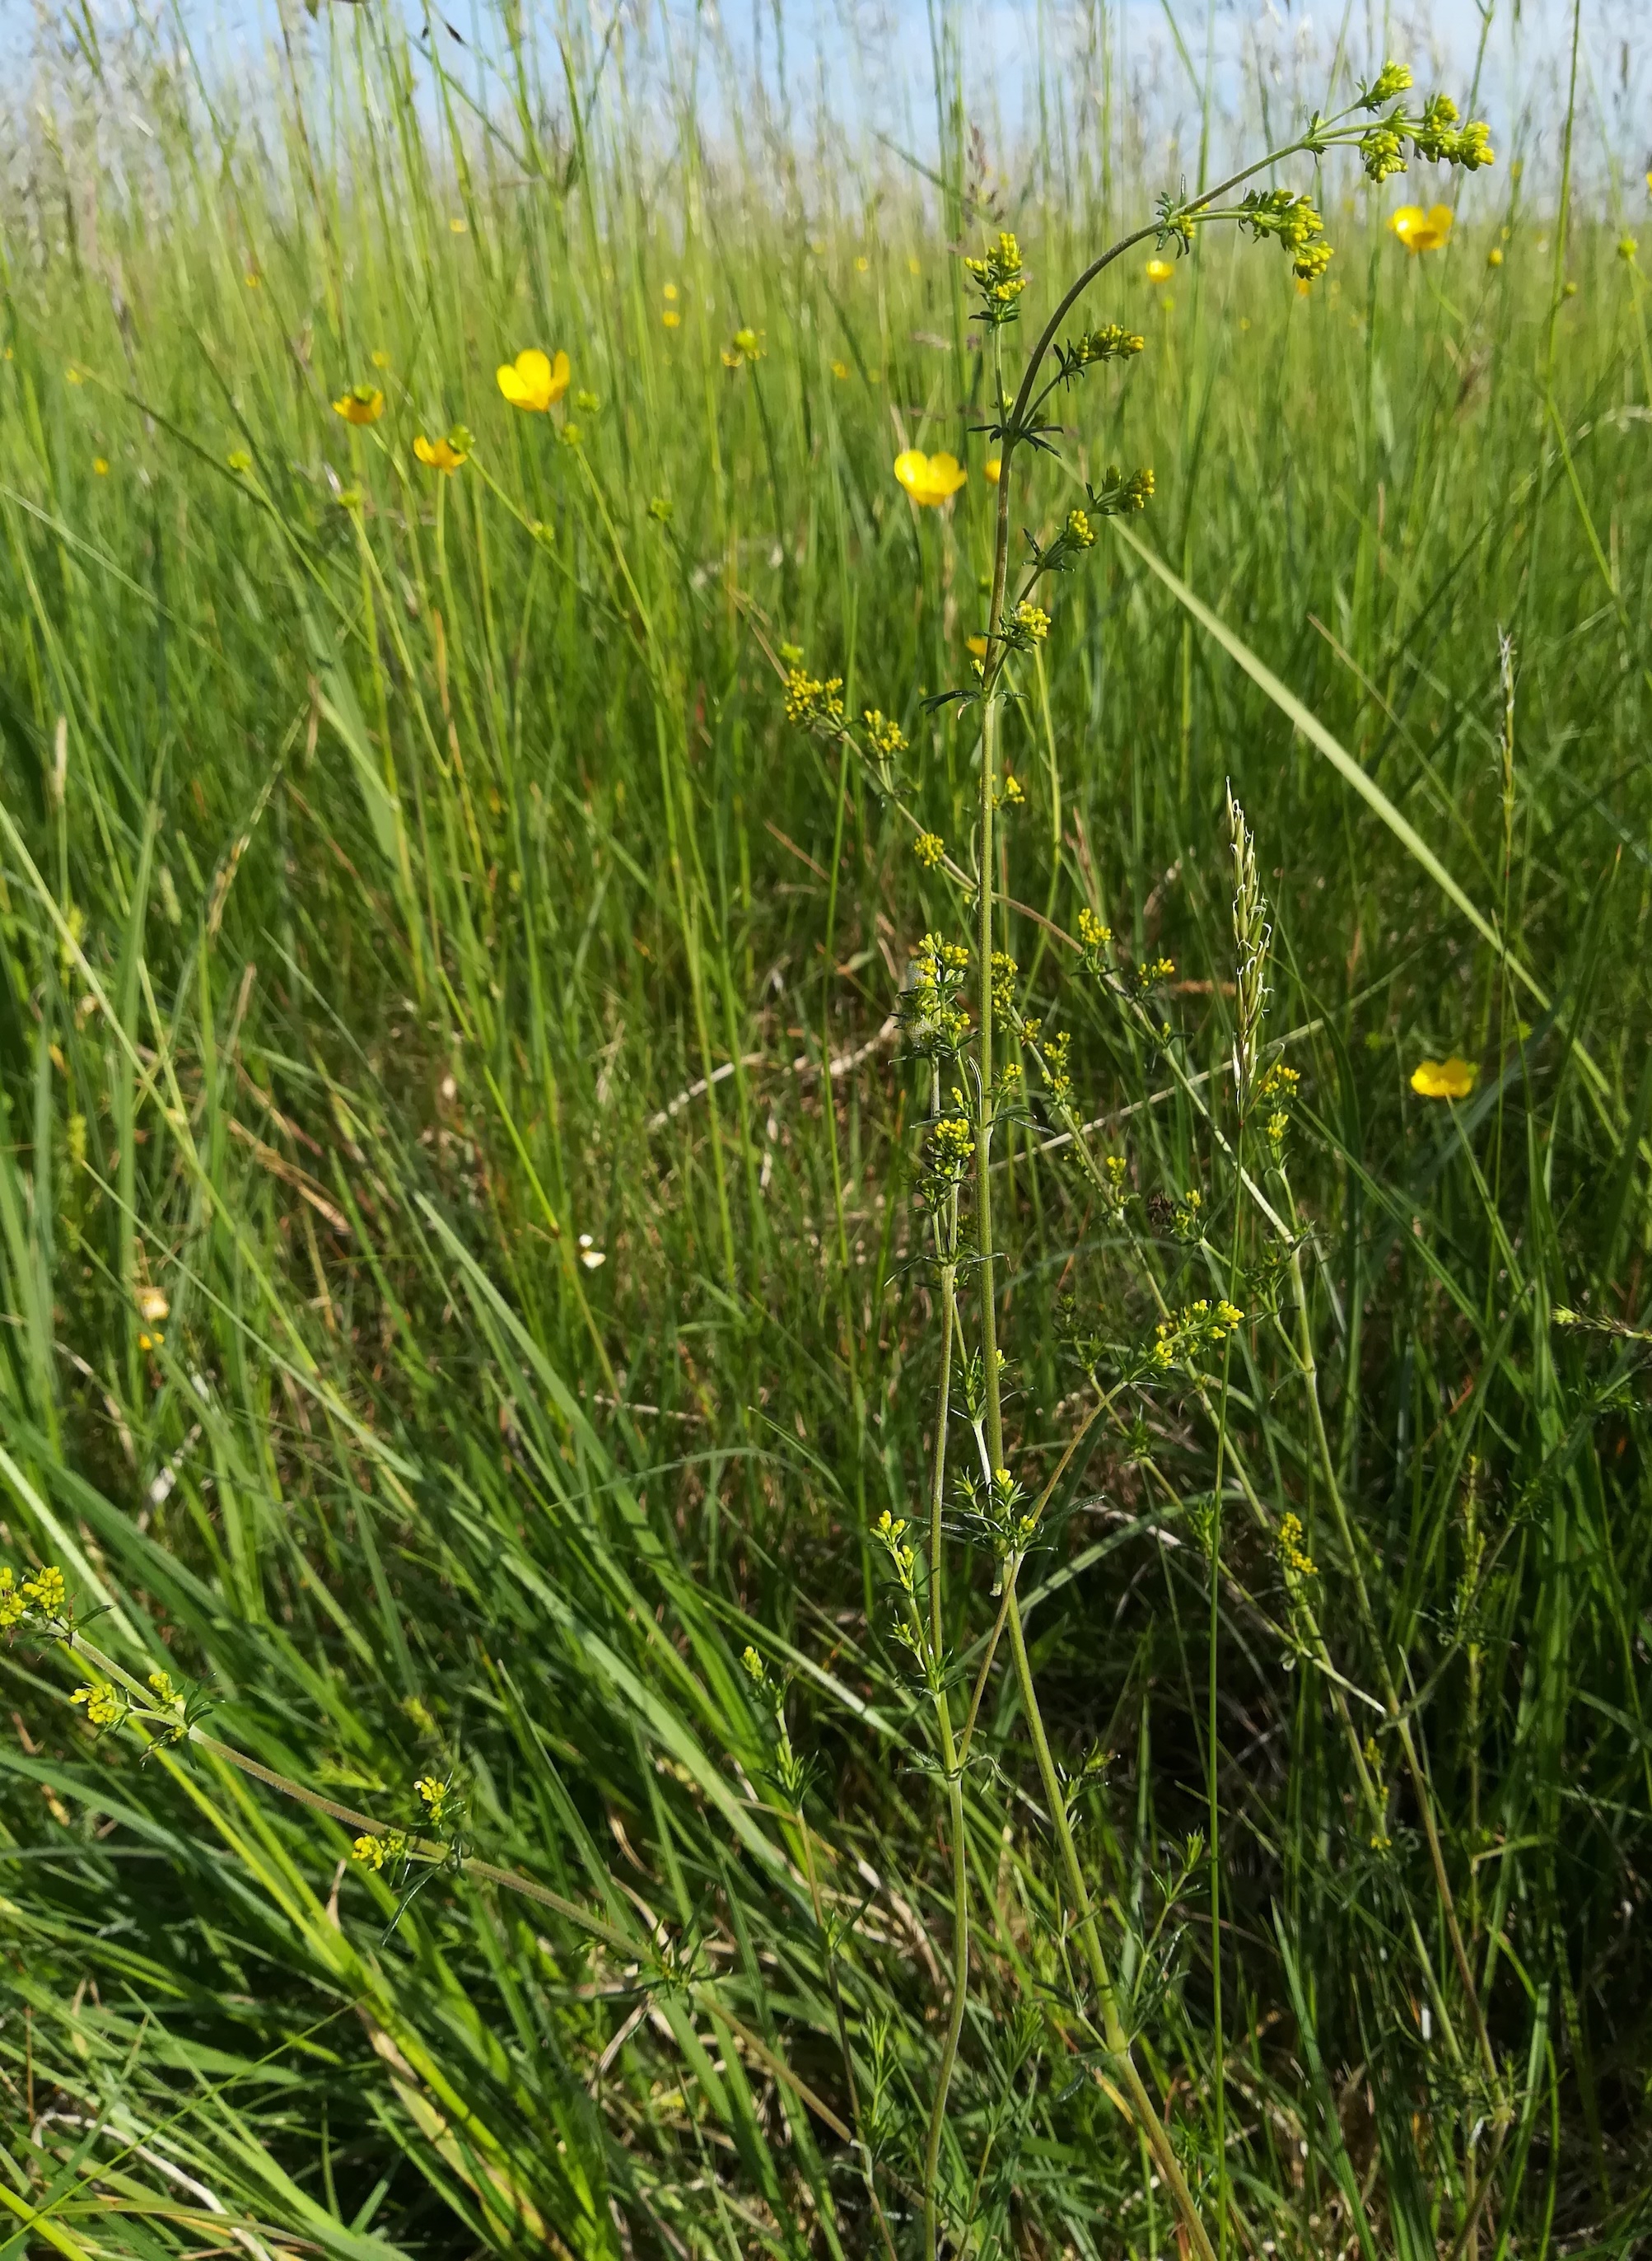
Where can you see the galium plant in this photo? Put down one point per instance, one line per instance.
(967, 1026)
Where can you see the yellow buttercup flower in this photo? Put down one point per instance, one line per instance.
(362, 404)
(100, 464)
(1160, 270)
(1421, 231)
(993, 465)
(671, 319)
(440, 454)
(534, 380)
(930, 480)
(1447, 1078)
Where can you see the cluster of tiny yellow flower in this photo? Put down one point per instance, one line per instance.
(41, 1601)
(1112, 343)
(930, 849)
(1298, 1564)
(1058, 1080)
(106, 1706)
(931, 1007)
(435, 1796)
(1032, 620)
(1012, 793)
(890, 1532)
(1195, 1328)
(1276, 1090)
(1004, 983)
(382, 1851)
(1121, 491)
(947, 1154)
(1114, 1182)
(812, 703)
(1295, 223)
(886, 740)
(1079, 530)
(1155, 969)
(1095, 934)
(1188, 1223)
(1000, 278)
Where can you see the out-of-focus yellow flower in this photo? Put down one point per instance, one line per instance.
(534, 380)
(669, 293)
(456, 227)
(1160, 270)
(1447, 1078)
(238, 460)
(100, 464)
(915, 267)
(362, 404)
(75, 376)
(253, 278)
(930, 480)
(153, 1305)
(863, 265)
(671, 319)
(840, 370)
(976, 647)
(1421, 231)
(381, 359)
(745, 345)
(440, 454)
(991, 468)
(1494, 257)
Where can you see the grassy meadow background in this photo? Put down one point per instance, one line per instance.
(429, 960)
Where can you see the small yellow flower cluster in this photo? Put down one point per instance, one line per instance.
(1155, 969)
(1057, 1080)
(890, 1530)
(809, 701)
(106, 1706)
(930, 849)
(745, 345)
(1079, 530)
(1094, 933)
(1195, 1328)
(1012, 793)
(381, 1851)
(434, 1795)
(951, 1145)
(1112, 342)
(1003, 982)
(1121, 491)
(1115, 1174)
(931, 1009)
(42, 1595)
(886, 739)
(754, 1665)
(1033, 620)
(1297, 1565)
(1188, 1223)
(1000, 280)
(1275, 1088)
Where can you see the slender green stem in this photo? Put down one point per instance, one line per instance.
(954, 1774)
(1152, 2129)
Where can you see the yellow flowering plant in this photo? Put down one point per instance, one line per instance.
(535, 382)
(973, 1096)
(362, 404)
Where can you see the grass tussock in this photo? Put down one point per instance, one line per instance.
(480, 1243)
